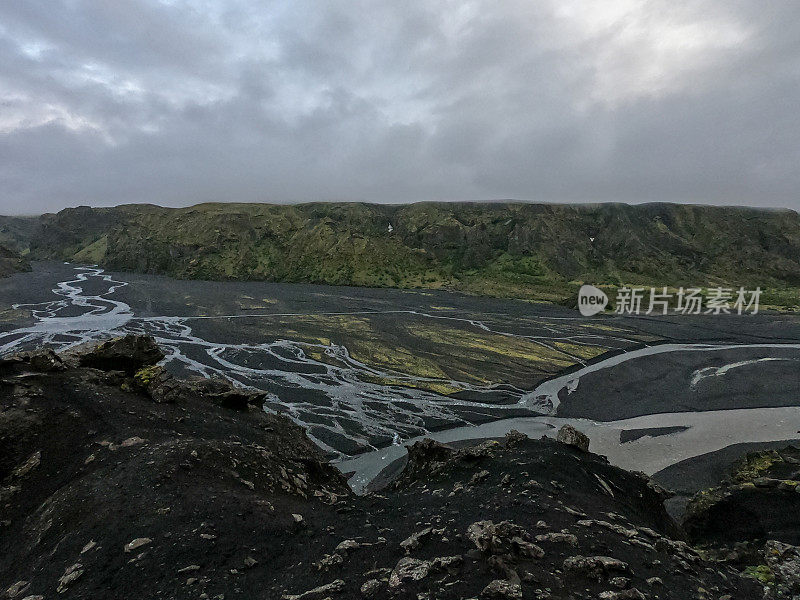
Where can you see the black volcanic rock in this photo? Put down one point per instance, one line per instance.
(572, 437)
(129, 354)
(426, 457)
(89, 470)
(783, 568)
(105, 493)
(760, 501)
(162, 386)
(45, 360)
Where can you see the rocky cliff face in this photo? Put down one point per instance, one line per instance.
(750, 519)
(16, 232)
(496, 248)
(118, 480)
(11, 262)
(15, 237)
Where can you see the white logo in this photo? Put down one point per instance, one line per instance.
(591, 300)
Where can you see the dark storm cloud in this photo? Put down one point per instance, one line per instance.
(178, 102)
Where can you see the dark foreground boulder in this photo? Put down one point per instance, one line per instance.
(162, 386)
(46, 361)
(572, 437)
(426, 456)
(128, 354)
(760, 501)
(781, 570)
(42, 360)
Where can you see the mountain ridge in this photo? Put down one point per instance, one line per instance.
(526, 250)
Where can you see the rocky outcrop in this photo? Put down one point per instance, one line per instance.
(427, 456)
(42, 360)
(128, 354)
(760, 501)
(595, 567)
(503, 538)
(162, 386)
(572, 437)
(781, 572)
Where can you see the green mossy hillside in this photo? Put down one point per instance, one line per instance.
(535, 251)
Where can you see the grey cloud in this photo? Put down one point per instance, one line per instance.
(182, 102)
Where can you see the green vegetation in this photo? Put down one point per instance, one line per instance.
(412, 350)
(17, 232)
(754, 464)
(94, 252)
(704, 500)
(479, 345)
(144, 377)
(775, 464)
(11, 262)
(432, 386)
(539, 252)
(762, 573)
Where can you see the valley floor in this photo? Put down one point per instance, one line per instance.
(364, 370)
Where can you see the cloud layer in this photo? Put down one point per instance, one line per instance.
(176, 102)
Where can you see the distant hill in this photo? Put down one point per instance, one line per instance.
(510, 249)
(11, 262)
(16, 232)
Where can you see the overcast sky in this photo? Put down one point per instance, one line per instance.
(176, 102)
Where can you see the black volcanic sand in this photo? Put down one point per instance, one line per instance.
(375, 319)
(631, 435)
(152, 295)
(27, 288)
(661, 383)
(403, 363)
(528, 343)
(221, 502)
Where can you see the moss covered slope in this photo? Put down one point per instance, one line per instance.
(512, 249)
